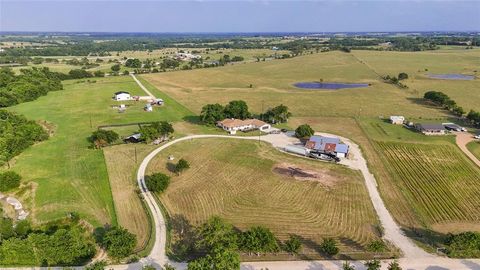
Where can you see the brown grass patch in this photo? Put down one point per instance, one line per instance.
(306, 174)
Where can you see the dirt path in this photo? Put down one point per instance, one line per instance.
(462, 139)
(143, 87)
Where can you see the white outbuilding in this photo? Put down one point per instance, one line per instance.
(122, 95)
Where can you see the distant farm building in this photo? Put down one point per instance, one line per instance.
(234, 125)
(122, 95)
(134, 138)
(431, 129)
(330, 145)
(397, 119)
(187, 56)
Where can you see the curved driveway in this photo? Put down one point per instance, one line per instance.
(414, 257)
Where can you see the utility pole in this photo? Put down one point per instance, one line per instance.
(135, 155)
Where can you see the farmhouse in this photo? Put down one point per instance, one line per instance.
(431, 129)
(122, 95)
(187, 56)
(233, 125)
(397, 119)
(330, 145)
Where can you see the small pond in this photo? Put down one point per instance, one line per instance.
(328, 85)
(451, 76)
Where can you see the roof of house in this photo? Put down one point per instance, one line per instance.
(423, 126)
(121, 92)
(231, 123)
(323, 139)
(330, 144)
(135, 136)
(397, 117)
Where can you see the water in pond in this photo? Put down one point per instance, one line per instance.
(328, 85)
(451, 76)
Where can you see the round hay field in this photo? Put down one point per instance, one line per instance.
(239, 181)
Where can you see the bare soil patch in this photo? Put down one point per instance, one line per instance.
(306, 174)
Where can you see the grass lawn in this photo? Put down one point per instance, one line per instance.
(474, 147)
(70, 176)
(236, 180)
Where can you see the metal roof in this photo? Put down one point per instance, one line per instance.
(323, 139)
(430, 126)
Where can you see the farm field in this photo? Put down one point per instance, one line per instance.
(419, 64)
(242, 181)
(122, 167)
(406, 164)
(272, 85)
(68, 175)
(438, 181)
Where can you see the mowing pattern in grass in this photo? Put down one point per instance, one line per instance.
(437, 180)
(234, 179)
(474, 148)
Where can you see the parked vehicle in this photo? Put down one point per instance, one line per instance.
(477, 136)
(324, 156)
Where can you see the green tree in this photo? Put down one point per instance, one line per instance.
(99, 73)
(237, 109)
(181, 166)
(347, 266)
(133, 63)
(23, 228)
(293, 244)
(216, 233)
(79, 74)
(212, 113)
(119, 242)
(9, 180)
(402, 76)
(115, 68)
(220, 258)
(156, 130)
(279, 114)
(329, 247)
(258, 239)
(373, 265)
(304, 131)
(101, 138)
(394, 266)
(157, 182)
(6, 228)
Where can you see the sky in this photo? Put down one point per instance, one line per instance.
(239, 16)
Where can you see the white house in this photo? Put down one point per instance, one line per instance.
(122, 95)
(233, 125)
(397, 119)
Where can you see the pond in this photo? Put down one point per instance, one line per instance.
(451, 76)
(328, 85)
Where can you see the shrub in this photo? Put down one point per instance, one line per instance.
(394, 266)
(293, 244)
(372, 265)
(329, 247)
(402, 76)
(119, 242)
(376, 246)
(102, 138)
(157, 182)
(99, 265)
(304, 131)
(258, 239)
(9, 180)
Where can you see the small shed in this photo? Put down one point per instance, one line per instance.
(148, 107)
(397, 119)
(122, 95)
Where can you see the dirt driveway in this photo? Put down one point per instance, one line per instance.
(462, 139)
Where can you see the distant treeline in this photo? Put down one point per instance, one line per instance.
(88, 46)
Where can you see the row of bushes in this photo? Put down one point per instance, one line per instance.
(443, 100)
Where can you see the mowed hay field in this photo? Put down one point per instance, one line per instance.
(474, 147)
(273, 81)
(235, 179)
(122, 168)
(70, 175)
